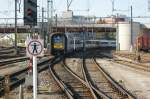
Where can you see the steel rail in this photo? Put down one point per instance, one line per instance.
(64, 86)
(20, 75)
(133, 65)
(86, 75)
(120, 89)
(99, 92)
(59, 81)
(61, 84)
(13, 60)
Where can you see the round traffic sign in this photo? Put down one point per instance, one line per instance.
(35, 47)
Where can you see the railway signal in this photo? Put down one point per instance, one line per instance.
(30, 12)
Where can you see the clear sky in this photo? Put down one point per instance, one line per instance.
(99, 8)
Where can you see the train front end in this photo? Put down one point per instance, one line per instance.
(58, 43)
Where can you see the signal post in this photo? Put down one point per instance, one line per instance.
(34, 46)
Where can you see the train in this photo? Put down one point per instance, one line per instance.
(143, 42)
(58, 43)
(68, 42)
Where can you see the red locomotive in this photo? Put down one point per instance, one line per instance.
(143, 42)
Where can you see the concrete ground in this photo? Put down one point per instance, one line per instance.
(137, 82)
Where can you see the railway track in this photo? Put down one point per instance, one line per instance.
(48, 86)
(8, 52)
(100, 81)
(104, 83)
(11, 52)
(73, 85)
(12, 60)
(130, 63)
(69, 81)
(133, 56)
(5, 48)
(18, 77)
(134, 65)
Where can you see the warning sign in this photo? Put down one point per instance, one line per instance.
(34, 47)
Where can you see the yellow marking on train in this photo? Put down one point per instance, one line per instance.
(59, 46)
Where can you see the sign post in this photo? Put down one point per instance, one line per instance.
(34, 49)
(34, 77)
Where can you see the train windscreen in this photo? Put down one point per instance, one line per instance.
(58, 41)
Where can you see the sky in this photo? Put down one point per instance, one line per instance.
(99, 8)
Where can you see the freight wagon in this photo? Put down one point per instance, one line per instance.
(143, 43)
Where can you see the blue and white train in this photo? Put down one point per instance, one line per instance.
(67, 42)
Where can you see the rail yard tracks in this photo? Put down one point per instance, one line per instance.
(74, 86)
(129, 63)
(103, 82)
(12, 60)
(18, 77)
(7, 52)
(94, 83)
(133, 56)
(11, 52)
(134, 65)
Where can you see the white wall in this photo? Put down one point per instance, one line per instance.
(124, 33)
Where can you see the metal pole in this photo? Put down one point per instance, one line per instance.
(49, 29)
(51, 22)
(113, 4)
(48, 15)
(34, 77)
(67, 5)
(131, 28)
(42, 28)
(131, 23)
(48, 21)
(16, 24)
(117, 36)
(56, 21)
(49, 26)
(42, 22)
